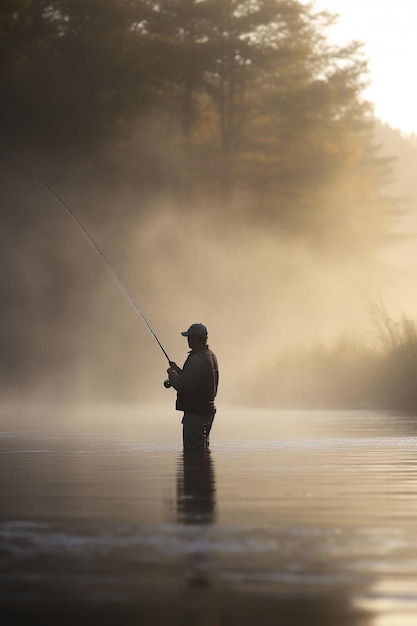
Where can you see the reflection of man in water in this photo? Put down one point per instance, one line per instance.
(196, 386)
(196, 504)
(196, 501)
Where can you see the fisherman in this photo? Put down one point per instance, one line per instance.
(196, 385)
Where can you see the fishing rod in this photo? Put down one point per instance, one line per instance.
(106, 263)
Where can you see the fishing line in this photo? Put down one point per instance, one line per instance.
(106, 262)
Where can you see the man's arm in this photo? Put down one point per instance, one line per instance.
(186, 381)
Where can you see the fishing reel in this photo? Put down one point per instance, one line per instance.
(167, 383)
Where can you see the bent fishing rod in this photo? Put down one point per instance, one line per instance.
(106, 263)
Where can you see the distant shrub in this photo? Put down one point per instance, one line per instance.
(379, 372)
(398, 370)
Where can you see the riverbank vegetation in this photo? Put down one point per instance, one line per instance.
(377, 371)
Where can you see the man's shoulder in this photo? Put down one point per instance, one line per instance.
(202, 352)
(205, 355)
(193, 359)
(211, 353)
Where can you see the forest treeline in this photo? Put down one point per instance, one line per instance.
(245, 102)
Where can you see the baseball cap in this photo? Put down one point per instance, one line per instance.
(199, 330)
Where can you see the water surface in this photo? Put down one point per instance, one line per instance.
(293, 518)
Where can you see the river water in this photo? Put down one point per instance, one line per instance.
(292, 518)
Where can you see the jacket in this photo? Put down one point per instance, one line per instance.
(197, 384)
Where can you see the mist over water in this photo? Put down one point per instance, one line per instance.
(258, 293)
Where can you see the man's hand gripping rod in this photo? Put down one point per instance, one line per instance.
(106, 263)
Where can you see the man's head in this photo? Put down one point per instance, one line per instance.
(197, 335)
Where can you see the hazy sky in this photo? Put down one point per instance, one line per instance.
(389, 30)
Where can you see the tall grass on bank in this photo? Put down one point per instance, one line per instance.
(377, 372)
(397, 378)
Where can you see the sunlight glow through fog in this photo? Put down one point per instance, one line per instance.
(388, 29)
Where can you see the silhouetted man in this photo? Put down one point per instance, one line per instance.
(196, 385)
